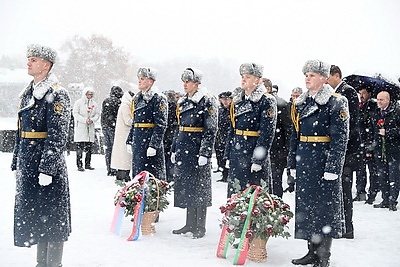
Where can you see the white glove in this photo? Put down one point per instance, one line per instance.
(202, 161)
(45, 179)
(255, 167)
(293, 173)
(330, 176)
(173, 159)
(129, 148)
(227, 164)
(151, 152)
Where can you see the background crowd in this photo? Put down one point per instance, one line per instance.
(329, 131)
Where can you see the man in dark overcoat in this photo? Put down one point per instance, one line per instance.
(253, 122)
(145, 139)
(108, 119)
(192, 147)
(280, 145)
(367, 107)
(224, 122)
(42, 213)
(316, 157)
(386, 145)
(353, 151)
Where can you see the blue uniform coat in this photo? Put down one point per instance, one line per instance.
(42, 213)
(192, 187)
(258, 113)
(319, 204)
(148, 108)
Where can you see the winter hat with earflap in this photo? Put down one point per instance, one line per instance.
(150, 73)
(252, 69)
(317, 66)
(45, 52)
(192, 75)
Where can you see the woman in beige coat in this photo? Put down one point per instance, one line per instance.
(121, 160)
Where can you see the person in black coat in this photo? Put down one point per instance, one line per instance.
(367, 107)
(42, 201)
(386, 143)
(192, 148)
(169, 134)
(280, 145)
(145, 139)
(225, 99)
(109, 112)
(318, 143)
(353, 152)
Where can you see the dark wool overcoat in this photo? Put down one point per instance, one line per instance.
(192, 187)
(42, 213)
(148, 108)
(319, 202)
(256, 113)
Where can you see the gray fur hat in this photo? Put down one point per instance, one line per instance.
(150, 73)
(192, 74)
(317, 66)
(45, 52)
(252, 69)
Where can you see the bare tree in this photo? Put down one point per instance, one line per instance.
(95, 62)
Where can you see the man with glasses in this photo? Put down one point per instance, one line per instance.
(145, 139)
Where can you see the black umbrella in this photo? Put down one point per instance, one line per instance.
(373, 84)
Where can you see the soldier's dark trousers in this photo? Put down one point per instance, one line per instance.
(80, 148)
(49, 254)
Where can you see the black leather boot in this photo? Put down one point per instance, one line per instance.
(54, 254)
(41, 254)
(310, 257)
(200, 229)
(324, 253)
(190, 222)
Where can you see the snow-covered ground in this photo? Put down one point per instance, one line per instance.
(376, 243)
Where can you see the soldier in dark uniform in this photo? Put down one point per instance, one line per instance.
(296, 92)
(253, 121)
(367, 107)
(42, 201)
(224, 122)
(145, 139)
(316, 157)
(169, 134)
(280, 146)
(353, 153)
(192, 149)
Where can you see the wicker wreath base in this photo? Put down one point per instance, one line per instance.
(257, 250)
(148, 219)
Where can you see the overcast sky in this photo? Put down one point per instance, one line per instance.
(359, 36)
